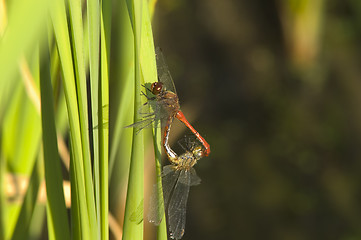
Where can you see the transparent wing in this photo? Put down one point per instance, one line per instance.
(169, 179)
(188, 142)
(178, 204)
(195, 180)
(144, 123)
(183, 143)
(147, 117)
(156, 206)
(150, 112)
(163, 71)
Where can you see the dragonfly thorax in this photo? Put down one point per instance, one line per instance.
(187, 160)
(169, 101)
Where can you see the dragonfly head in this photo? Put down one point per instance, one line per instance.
(156, 87)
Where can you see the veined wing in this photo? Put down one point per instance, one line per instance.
(188, 142)
(156, 205)
(178, 205)
(144, 123)
(169, 179)
(150, 112)
(195, 180)
(163, 71)
(147, 117)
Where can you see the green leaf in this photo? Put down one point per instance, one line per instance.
(135, 194)
(104, 137)
(85, 191)
(20, 37)
(56, 210)
(27, 209)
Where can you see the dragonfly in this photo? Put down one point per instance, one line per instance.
(177, 178)
(164, 101)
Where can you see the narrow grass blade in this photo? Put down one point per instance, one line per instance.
(21, 130)
(162, 227)
(147, 54)
(37, 221)
(20, 37)
(80, 78)
(133, 217)
(107, 8)
(121, 107)
(2, 198)
(20, 133)
(151, 6)
(86, 205)
(57, 215)
(121, 93)
(26, 212)
(76, 232)
(103, 137)
(93, 17)
(149, 70)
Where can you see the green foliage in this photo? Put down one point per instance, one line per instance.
(55, 48)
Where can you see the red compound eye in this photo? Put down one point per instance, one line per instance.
(156, 87)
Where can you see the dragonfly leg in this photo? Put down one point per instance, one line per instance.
(148, 98)
(172, 156)
(146, 88)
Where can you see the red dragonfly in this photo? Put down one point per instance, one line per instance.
(165, 104)
(177, 179)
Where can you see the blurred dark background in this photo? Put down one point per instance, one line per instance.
(274, 87)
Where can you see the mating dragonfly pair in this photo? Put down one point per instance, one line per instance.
(180, 175)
